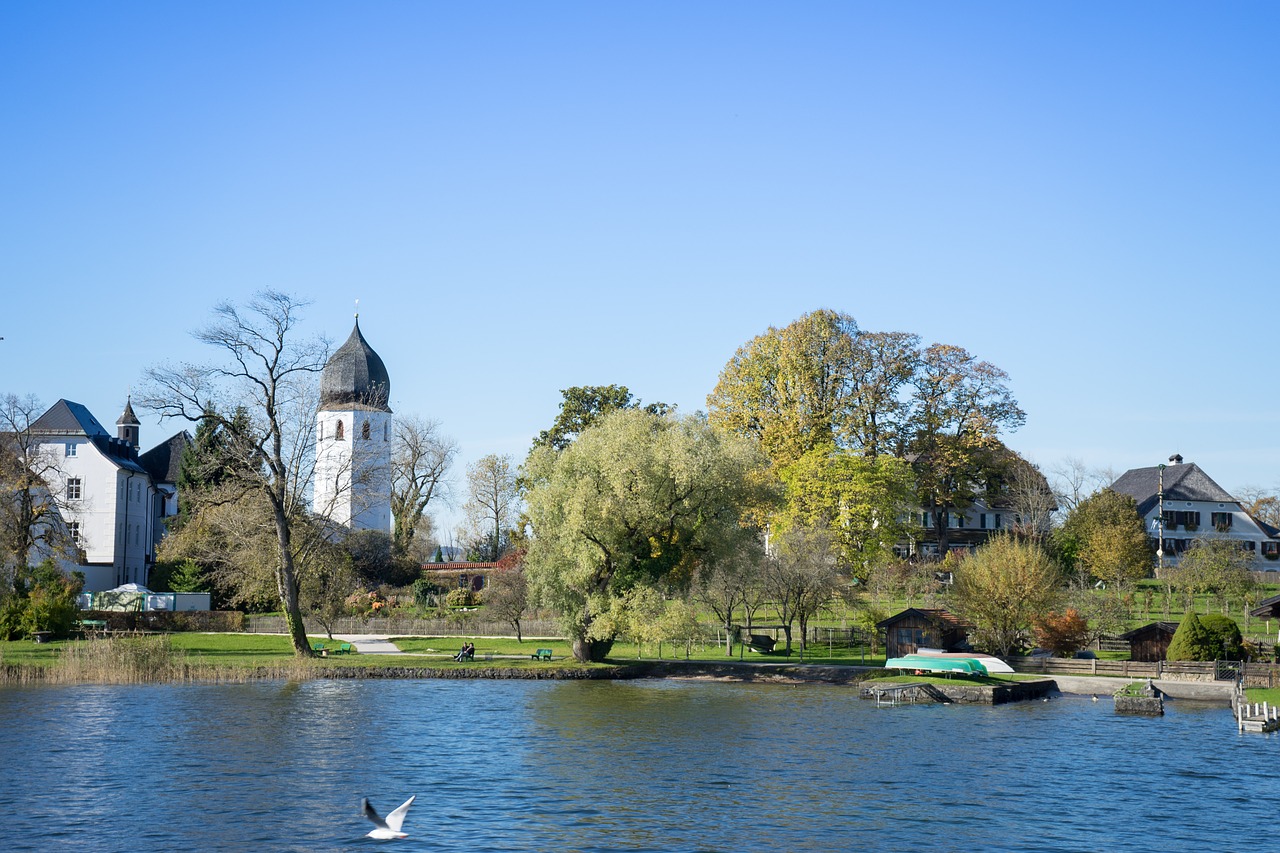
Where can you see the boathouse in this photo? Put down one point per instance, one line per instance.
(915, 628)
(1151, 641)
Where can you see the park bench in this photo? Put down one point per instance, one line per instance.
(344, 649)
(89, 627)
(761, 643)
(320, 648)
(541, 654)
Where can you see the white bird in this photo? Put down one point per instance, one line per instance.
(389, 828)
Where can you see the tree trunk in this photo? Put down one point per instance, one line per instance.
(591, 651)
(287, 586)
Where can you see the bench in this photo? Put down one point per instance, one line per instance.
(41, 636)
(541, 654)
(320, 649)
(760, 643)
(344, 649)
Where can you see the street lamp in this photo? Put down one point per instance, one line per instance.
(1160, 519)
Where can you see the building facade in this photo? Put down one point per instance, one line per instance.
(1180, 503)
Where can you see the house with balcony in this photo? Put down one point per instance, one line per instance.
(1182, 504)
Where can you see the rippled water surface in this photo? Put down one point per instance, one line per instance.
(654, 765)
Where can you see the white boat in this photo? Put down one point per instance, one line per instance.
(993, 664)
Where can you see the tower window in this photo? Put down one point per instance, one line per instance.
(364, 431)
(337, 432)
(386, 431)
(322, 430)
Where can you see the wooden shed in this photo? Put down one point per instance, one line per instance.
(1268, 608)
(1151, 641)
(914, 628)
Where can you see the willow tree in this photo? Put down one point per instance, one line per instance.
(636, 500)
(269, 372)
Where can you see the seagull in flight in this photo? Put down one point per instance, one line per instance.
(389, 828)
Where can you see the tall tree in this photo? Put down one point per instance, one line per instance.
(637, 500)
(420, 462)
(493, 505)
(958, 409)
(1002, 587)
(266, 369)
(883, 366)
(33, 508)
(791, 388)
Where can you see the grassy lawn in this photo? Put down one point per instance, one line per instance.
(1270, 695)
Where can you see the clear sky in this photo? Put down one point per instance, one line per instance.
(530, 196)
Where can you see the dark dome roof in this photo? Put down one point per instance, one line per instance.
(355, 377)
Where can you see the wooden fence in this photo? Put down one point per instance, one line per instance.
(1253, 674)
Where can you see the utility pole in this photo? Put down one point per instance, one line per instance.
(1160, 520)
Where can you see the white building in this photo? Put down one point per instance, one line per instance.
(108, 499)
(353, 438)
(1184, 504)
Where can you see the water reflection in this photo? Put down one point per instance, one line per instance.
(610, 766)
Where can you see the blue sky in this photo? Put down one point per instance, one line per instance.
(530, 196)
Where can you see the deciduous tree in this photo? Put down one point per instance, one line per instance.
(1002, 587)
(800, 577)
(420, 462)
(493, 505)
(270, 372)
(33, 507)
(636, 500)
(1105, 538)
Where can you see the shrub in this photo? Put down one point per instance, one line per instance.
(1191, 641)
(460, 597)
(1064, 634)
(425, 591)
(1224, 636)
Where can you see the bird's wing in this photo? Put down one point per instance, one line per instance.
(396, 818)
(372, 814)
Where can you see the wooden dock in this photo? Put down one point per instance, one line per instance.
(898, 694)
(1255, 717)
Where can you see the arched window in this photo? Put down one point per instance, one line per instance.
(364, 431)
(338, 432)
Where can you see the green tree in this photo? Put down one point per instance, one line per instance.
(1002, 588)
(1103, 537)
(636, 500)
(583, 405)
(861, 502)
(1191, 641)
(1213, 566)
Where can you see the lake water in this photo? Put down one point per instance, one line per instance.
(594, 766)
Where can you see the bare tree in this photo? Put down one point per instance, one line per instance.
(493, 504)
(728, 584)
(33, 508)
(420, 464)
(801, 578)
(1073, 481)
(506, 596)
(269, 372)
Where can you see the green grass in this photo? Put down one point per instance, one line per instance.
(1270, 695)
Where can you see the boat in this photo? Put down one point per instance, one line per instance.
(949, 665)
(991, 663)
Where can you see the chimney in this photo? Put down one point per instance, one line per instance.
(1176, 459)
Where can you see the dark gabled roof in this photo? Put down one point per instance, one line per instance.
(1150, 627)
(1186, 482)
(355, 377)
(164, 461)
(946, 617)
(1268, 608)
(67, 418)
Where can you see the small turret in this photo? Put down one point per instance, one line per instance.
(127, 425)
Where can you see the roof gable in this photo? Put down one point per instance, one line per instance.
(164, 461)
(67, 418)
(1187, 482)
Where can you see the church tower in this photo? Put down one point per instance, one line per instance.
(127, 426)
(353, 438)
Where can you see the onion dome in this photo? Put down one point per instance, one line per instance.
(355, 377)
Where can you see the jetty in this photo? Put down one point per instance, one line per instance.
(1257, 717)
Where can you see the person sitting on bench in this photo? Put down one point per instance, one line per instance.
(468, 652)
